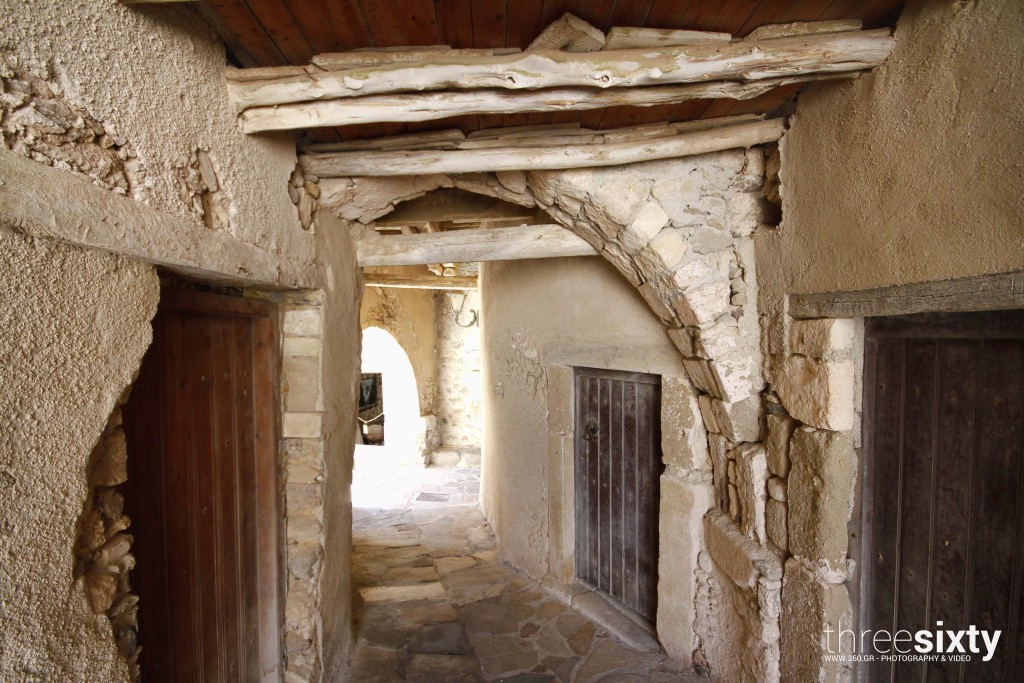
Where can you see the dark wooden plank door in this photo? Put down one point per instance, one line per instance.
(943, 493)
(617, 465)
(203, 491)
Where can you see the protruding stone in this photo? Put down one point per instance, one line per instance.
(663, 252)
(776, 524)
(752, 475)
(823, 339)
(821, 481)
(648, 222)
(810, 608)
(780, 431)
(739, 421)
(683, 439)
(704, 303)
(819, 393)
(110, 460)
(739, 557)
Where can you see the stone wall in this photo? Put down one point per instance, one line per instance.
(458, 383)
(76, 325)
(907, 174)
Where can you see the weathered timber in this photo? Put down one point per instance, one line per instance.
(364, 57)
(425, 281)
(569, 33)
(979, 293)
(802, 28)
(740, 61)
(406, 107)
(627, 37)
(441, 139)
(466, 246)
(43, 201)
(345, 164)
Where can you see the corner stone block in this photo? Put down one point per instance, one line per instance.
(751, 485)
(683, 340)
(663, 252)
(683, 505)
(647, 223)
(809, 609)
(827, 338)
(780, 431)
(559, 385)
(657, 304)
(703, 304)
(684, 442)
(301, 383)
(824, 467)
(302, 425)
(739, 421)
(740, 558)
(303, 322)
(819, 393)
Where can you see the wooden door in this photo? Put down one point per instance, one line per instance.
(617, 465)
(943, 494)
(203, 491)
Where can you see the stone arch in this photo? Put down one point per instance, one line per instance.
(680, 230)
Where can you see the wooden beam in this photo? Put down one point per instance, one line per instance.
(802, 28)
(979, 293)
(628, 37)
(345, 164)
(468, 246)
(741, 61)
(454, 205)
(425, 281)
(408, 107)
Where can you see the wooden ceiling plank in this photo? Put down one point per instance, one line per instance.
(630, 13)
(881, 12)
(514, 120)
(242, 31)
(666, 14)
(333, 26)
(767, 12)
(410, 22)
(802, 10)
(489, 17)
(282, 28)
(620, 117)
(523, 23)
(322, 135)
(454, 23)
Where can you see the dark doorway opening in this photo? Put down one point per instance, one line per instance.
(943, 488)
(203, 491)
(617, 466)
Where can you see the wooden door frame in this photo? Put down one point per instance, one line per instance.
(271, 505)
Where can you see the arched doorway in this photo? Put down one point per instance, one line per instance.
(384, 360)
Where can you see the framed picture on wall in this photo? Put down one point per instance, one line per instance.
(369, 390)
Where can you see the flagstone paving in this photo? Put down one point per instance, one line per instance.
(434, 603)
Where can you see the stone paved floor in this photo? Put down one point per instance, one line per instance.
(434, 603)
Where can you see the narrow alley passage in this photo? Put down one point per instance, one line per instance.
(434, 603)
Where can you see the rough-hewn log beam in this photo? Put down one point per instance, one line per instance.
(407, 107)
(742, 60)
(344, 164)
(628, 37)
(467, 246)
(425, 281)
(978, 293)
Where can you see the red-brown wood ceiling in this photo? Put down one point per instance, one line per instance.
(281, 32)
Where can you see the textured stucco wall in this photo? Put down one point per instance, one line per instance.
(153, 76)
(341, 372)
(74, 325)
(530, 310)
(408, 314)
(913, 172)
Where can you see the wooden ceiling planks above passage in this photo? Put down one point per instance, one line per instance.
(291, 32)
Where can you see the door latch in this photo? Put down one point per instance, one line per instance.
(590, 431)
